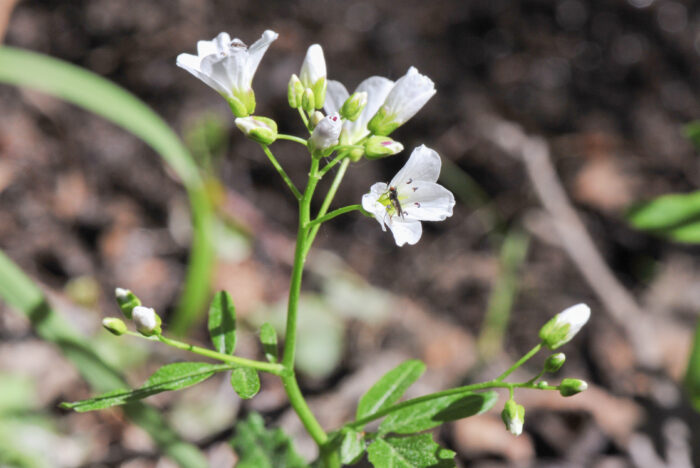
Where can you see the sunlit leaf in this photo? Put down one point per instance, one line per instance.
(268, 338)
(417, 451)
(222, 323)
(389, 388)
(258, 447)
(245, 381)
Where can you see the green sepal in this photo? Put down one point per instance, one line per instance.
(382, 123)
(319, 90)
(554, 362)
(553, 333)
(570, 387)
(308, 100)
(114, 325)
(127, 301)
(295, 92)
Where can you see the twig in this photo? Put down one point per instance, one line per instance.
(620, 304)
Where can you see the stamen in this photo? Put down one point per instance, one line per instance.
(417, 204)
(409, 181)
(415, 188)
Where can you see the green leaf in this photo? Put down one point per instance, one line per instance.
(430, 413)
(20, 292)
(417, 451)
(258, 447)
(692, 132)
(268, 338)
(389, 388)
(352, 447)
(245, 381)
(692, 374)
(666, 212)
(222, 323)
(96, 94)
(169, 377)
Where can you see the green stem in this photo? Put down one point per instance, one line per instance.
(522, 361)
(272, 368)
(281, 171)
(284, 136)
(452, 391)
(303, 411)
(330, 165)
(333, 214)
(326, 203)
(304, 118)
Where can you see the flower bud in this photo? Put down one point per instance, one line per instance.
(315, 118)
(313, 74)
(353, 106)
(260, 129)
(564, 326)
(569, 387)
(127, 301)
(295, 91)
(542, 384)
(513, 416)
(147, 321)
(326, 133)
(307, 100)
(380, 147)
(554, 362)
(114, 325)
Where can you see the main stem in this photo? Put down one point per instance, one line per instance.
(289, 380)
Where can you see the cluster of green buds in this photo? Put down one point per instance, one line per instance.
(145, 319)
(555, 333)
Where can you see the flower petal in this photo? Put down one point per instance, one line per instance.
(191, 63)
(405, 232)
(424, 164)
(377, 88)
(425, 201)
(256, 52)
(314, 66)
(370, 203)
(205, 48)
(409, 95)
(336, 94)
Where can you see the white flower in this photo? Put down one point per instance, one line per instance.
(313, 74)
(412, 196)
(377, 89)
(146, 320)
(228, 66)
(565, 325)
(408, 95)
(326, 132)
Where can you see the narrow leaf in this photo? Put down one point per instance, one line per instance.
(417, 451)
(245, 381)
(169, 377)
(430, 413)
(352, 447)
(389, 388)
(268, 338)
(692, 375)
(666, 212)
(258, 447)
(222, 323)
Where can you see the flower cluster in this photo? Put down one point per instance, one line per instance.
(354, 125)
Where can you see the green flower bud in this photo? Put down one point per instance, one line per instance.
(543, 384)
(564, 326)
(147, 321)
(353, 106)
(569, 387)
(260, 129)
(378, 147)
(315, 118)
(554, 362)
(114, 325)
(513, 416)
(127, 301)
(242, 103)
(307, 100)
(295, 91)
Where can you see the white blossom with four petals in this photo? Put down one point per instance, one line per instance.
(228, 66)
(412, 196)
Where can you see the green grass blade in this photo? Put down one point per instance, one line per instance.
(692, 375)
(21, 293)
(96, 94)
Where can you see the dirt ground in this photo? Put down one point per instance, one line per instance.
(85, 207)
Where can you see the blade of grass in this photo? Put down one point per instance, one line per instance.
(20, 292)
(96, 94)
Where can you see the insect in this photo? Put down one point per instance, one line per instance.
(394, 199)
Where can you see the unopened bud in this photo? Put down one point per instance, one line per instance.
(353, 106)
(564, 326)
(313, 74)
(554, 362)
(569, 387)
(513, 416)
(315, 118)
(543, 384)
(147, 321)
(378, 147)
(307, 100)
(127, 301)
(114, 325)
(295, 92)
(260, 129)
(326, 133)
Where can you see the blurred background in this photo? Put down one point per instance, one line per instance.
(608, 85)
